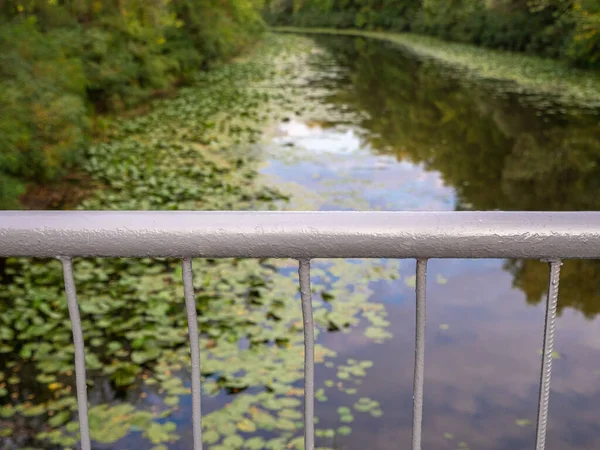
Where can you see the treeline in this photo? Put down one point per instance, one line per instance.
(64, 61)
(566, 29)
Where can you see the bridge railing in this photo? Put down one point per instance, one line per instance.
(550, 237)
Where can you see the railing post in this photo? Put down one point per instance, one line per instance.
(419, 374)
(309, 355)
(190, 305)
(80, 376)
(548, 349)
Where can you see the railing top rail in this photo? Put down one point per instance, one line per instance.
(300, 234)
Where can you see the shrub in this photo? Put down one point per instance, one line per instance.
(42, 109)
(61, 61)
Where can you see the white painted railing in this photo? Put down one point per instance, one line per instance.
(303, 236)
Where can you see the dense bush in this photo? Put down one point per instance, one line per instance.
(63, 61)
(42, 107)
(568, 29)
(583, 47)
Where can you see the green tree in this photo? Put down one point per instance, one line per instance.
(567, 29)
(42, 107)
(62, 61)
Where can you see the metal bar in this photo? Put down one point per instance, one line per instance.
(302, 235)
(190, 305)
(418, 379)
(309, 355)
(80, 377)
(549, 327)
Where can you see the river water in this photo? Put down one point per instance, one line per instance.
(405, 134)
(377, 128)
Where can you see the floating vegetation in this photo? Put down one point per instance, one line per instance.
(194, 152)
(521, 73)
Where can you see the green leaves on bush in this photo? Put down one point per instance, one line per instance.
(61, 61)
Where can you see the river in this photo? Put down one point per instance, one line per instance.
(374, 127)
(412, 135)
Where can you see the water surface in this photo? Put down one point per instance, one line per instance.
(375, 128)
(403, 134)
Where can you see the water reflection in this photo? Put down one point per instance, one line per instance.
(498, 151)
(482, 371)
(402, 134)
(395, 133)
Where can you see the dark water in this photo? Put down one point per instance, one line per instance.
(402, 134)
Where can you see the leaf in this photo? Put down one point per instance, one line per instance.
(377, 334)
(246, 426)
(7, 411)
(377, 413)
(142, 356)
(233, 442)
(523, 422)
(347, 418)
(171, 401)
(72, 427)
(257, 443)
(344, 430)
(210, 436)
(290, 414)
(439, 279)
(36, 410)
(159, 433)
(59, 418)
(92, 361)
(45, 378)
(297, 443)
(410, 281)
(289, 402)
(285, 424)
(343, 410)
(114, 346)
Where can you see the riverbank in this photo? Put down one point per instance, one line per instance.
(518, 72)
(63, 78)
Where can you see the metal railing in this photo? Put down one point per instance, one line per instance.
(303, 236)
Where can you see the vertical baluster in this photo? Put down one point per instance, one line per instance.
(309, 355)
(80, 377)
(546, 372)
(419, 354)
(190, 305)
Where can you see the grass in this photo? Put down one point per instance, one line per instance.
(521, 73)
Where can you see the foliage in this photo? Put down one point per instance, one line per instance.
(61, 61)
(42, 111)
(192, 152)
(567, 29)
(584, 46)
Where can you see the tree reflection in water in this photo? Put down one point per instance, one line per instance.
(498, 149)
